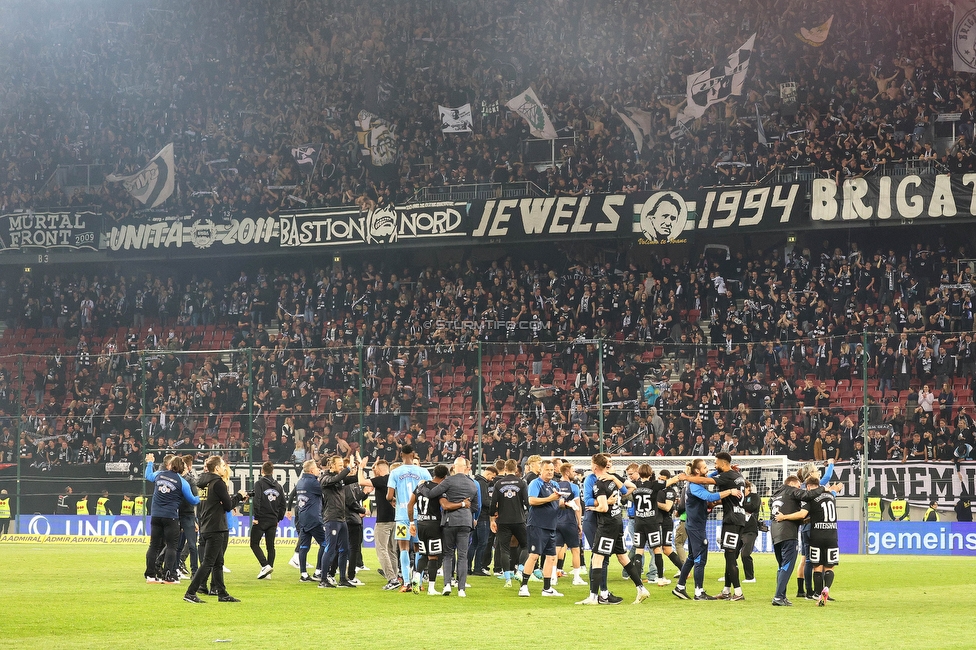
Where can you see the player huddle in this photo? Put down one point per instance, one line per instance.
(539, 519)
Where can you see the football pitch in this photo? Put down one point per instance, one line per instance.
(94, 596)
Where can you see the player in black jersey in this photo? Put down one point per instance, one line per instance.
(824, 548)
(733, 522)
(609, 535)
(427, 526)
(509, 503)
(647, 519)
(666, 503)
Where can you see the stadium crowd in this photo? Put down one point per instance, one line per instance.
(755, 354)
(236, 87)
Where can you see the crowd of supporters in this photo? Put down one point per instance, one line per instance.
(760, 353)
(236, 86)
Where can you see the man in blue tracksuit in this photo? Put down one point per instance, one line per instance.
(697, 500)
(308, 503)
(169, 491)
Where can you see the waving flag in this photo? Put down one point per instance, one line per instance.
(154, 183)
(530, 108)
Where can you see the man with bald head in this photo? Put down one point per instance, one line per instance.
(461, 498)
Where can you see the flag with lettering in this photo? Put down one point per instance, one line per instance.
(964, 36)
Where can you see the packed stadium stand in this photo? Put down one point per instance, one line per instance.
(777, 347)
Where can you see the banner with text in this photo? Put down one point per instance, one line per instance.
(599, 215)
(118, 529)
(670, 216)
(907, 198)
(921, 538)
(190, 233)
(920, 483)
(421, 223)
(50, 230)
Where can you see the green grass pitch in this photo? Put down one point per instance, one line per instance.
(94, 596)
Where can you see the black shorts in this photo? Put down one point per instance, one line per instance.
(542, 541)
(667, 531)
(731, 537)
(647, 532)
(828, 556)
(567, 534)
(609, 540)
(430, 539)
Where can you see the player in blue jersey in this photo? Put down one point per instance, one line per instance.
(402, 483)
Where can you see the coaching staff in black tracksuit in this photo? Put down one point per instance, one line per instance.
(268, 508)
(215, 503)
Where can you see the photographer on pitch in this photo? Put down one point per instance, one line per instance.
(267, 509)
(215, 503)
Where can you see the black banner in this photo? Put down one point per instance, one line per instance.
(50, 230)
(598, 215)
(190, 232)
(669, 216)
(878, 198)
(418, 224)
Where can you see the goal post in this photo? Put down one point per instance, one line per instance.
(766, 473)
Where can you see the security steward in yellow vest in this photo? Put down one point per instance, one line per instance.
(898, 510)
(764, 513)
(127, 504)
(101, 506)
(4, 512)
(81, 507)
(874, 509)
(140, 506)
(932, 512)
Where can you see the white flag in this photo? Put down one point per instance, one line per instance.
(530, 108)
(455, 120)
(716, 84)
(639, 123)
(816, 36)
(964, 36)
(154, 183)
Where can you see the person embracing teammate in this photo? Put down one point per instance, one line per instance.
(460, 497)
(569, 524)
(424, 512)
(697, 500)
(169, 491)
(824, 551)
(787, 500)
(733, 522)
(401, 484)
(647, 518)
(609, 536)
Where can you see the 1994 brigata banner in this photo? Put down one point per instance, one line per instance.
(669, 216)
(387, 225)
(887, 197)
(71, 230)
